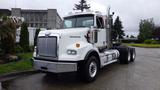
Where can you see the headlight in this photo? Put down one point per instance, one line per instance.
(71, 52)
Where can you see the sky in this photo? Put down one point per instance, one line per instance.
(129, 11)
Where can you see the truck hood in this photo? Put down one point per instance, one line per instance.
(67, 39)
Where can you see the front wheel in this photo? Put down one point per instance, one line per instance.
(91, 69)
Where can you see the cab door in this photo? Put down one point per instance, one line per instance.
(101, 33)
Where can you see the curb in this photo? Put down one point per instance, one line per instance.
(8, 76)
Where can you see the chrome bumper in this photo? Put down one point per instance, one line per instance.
(55, 67)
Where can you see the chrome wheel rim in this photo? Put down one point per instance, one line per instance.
(134, 55)
(93, 69)
(129, 56)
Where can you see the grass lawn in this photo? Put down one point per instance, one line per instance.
(145, 45)
(24, 64)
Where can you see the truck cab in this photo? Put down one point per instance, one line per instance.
(83, 45)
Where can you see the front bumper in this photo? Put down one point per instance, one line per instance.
(55, 67)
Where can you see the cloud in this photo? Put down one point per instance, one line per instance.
(130, 11)
(96, 6)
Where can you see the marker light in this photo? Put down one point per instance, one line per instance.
(78, 45)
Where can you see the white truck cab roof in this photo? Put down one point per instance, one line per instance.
(97, 13)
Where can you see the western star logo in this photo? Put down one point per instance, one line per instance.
(75, 36)
(47, 34)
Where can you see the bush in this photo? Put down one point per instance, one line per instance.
(18, 49)
(155, 42)
(31, 48)
(145, 45)
(36, 35)
(131, 41)
(7, 35)
(8, 45)
(24, 37)
(148, 41)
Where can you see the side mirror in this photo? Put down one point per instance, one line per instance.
(92, 35)
(95, 36)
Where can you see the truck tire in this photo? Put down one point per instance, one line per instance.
(125, 55)
(90, 69)
(133, 54)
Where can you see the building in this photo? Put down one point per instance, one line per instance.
(48, 19)
(6, 12)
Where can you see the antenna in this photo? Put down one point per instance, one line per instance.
(108, 10)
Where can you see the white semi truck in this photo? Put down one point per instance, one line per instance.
(84, 45)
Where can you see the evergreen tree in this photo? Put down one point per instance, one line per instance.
(156, 33)
(117, 31)
(24, 37)
(132, 36)
(127, 36)
(146, 28)
(36, 35)
(82, 5)
(7, 35)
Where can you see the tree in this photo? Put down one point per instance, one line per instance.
(146, 28)
(7, 35)
(127, 36)
(36, 35)
(81, 6)
(132, 36)
(24, 37)
(156, 33)
(117, 31)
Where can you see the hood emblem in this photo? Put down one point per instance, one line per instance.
(47, 34)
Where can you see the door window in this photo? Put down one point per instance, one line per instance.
(100, 22)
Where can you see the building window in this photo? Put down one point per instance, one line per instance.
(45, 18)
(32, 25)
(36, 25)
(36, 17)
(40, 25)
(45, 25)
(31, 18)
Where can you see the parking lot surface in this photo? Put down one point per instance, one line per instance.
(143, 74)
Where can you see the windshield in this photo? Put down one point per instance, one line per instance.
(79, 21)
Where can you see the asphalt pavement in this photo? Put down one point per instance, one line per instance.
(143, 74)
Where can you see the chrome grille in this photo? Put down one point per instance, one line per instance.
(47, 46)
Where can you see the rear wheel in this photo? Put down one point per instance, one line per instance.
(125, 55)
(133, 54)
